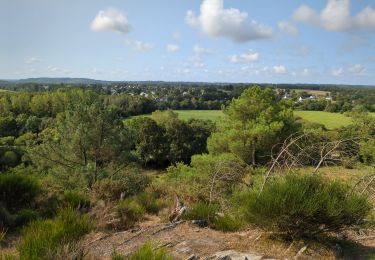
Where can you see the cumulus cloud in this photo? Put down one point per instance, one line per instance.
(198, 50)
(336, 17)
(172, 48)
(32, 60)
(139, 45)
(287, 27)
(215, 21)
(305, 72)
(247, 57)
(196, 61)
(59, 70)
(110, 19)
(279, 69)
(354, 70)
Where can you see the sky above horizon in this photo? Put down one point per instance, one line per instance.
(299, 41)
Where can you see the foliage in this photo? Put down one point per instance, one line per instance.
(147, 251)
(130, 212)
(202, 211)
(25, 216)
(18, 190)
(47, 237)
(227, 223)
(125, 183)
(208, 178)
(301, 206)
(164, 139)
(86, 141)
(149, 202)
(75, 199)
(252, 125)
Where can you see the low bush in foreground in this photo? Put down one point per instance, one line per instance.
(43, 239)
(148, 252)
(305, 206)
(75, 199)
(17, 191)
(130, 212)
(202, 211)
(227, 223)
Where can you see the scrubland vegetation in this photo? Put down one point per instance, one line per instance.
(74, 161)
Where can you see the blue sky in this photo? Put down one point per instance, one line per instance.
(301, 41)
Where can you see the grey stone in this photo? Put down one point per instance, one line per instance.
(234, 255)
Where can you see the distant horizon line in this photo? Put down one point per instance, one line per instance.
(180, 81)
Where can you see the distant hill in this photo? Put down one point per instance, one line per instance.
(73, 81)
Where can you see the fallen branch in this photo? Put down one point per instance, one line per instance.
(169, 226)
(364, 238)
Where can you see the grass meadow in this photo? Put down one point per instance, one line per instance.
(330, 120)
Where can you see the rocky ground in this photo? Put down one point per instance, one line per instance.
(185, 240)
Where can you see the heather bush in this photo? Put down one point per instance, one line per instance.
(305, 206)
(44, 238)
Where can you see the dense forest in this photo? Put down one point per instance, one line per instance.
(75, 160)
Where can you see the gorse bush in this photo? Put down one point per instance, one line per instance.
(202, 211)
(305, 206)
(148, 252)
(130, 212)
(150, 202)
(75, 199)
(44, 238)
(128, 183)
(227, 223)
(24, 216)
(17, 191)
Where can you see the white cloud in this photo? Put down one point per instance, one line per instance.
(337, 72)
(336, 17)
(287, 27)
(247, 57)
(279, 69)
(58, 70)
(354, 70)
(305, 72)
(196, 61)
(110, 19)
(32, 60)
(198, 50)
(139, 45)
(172, 48)
(215, 21)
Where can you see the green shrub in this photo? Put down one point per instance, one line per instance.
(10, 159)
(17, 191)
(130, 212)
(47, 237)
(305, 206)
(227, 223)
(202, 211)
(126, 185)
(24, 216)
(149, 202)
(75, 199)
(148, 252)
(117, 256)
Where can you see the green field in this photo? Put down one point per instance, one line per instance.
(199, 114)
(330, 120)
